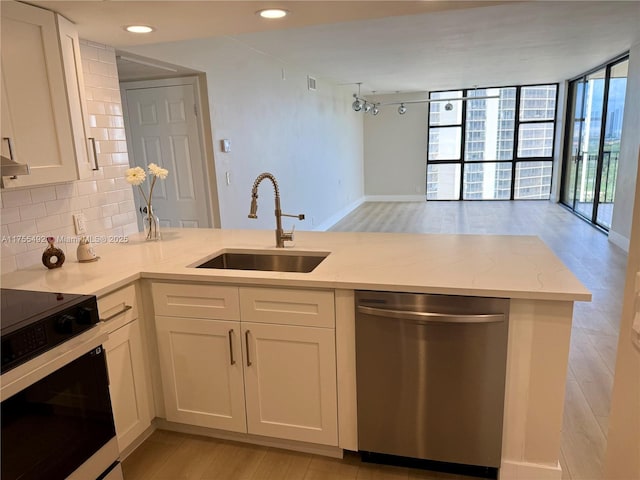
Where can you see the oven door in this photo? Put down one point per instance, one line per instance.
(60, 418)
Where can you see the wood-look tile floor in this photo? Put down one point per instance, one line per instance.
(176, 456)
(586, 251)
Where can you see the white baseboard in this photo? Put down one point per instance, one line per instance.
(324, 450)
(396, 198)
(511, 470)
(335, 218)
(619, 240)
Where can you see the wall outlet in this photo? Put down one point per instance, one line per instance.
(80, 223)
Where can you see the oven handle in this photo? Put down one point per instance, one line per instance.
(28, 373)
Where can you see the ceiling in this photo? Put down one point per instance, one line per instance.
(393, 46)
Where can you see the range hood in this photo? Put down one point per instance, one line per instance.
(11, 168)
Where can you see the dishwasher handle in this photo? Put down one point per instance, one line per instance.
(432, 317)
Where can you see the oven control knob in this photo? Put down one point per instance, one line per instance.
(64, 324)
(86, 316)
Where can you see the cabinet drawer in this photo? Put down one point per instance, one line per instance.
(118, 308)
(288, 306)
(196, 301)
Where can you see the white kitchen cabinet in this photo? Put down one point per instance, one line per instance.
(269, 352)
(290, 382)
(85, 146)
(201, 368)
(128, 385)
(43, 121)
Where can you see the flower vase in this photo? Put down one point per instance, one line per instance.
(151, 224)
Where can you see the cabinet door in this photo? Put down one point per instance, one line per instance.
(33, 77)
(128, 383)
(74, 80)
(201, 368)
(290, 382)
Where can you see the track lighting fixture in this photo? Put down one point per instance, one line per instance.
(366, 106)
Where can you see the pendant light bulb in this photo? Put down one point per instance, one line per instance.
(402, 109)
(375, 110)
(367, 107)
(357, 105)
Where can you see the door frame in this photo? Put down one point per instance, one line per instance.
(199, 84)
(567, 141)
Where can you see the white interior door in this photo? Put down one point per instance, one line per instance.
(163, 128)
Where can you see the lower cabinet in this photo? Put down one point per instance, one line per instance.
(276, 380)
(290, 382)
(128, 385)
(201, 368)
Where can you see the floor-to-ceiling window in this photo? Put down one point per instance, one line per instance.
(592, 142)
(498, 146)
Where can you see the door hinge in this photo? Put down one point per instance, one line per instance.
(195, 109)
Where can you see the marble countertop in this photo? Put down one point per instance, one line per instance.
(477, 265)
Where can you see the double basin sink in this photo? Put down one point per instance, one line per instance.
(298, 262)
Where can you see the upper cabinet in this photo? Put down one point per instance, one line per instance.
(43, 108)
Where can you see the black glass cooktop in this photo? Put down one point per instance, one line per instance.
(34, 322)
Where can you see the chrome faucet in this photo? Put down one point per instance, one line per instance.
(281, 235)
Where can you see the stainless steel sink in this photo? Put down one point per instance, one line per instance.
(299, 262)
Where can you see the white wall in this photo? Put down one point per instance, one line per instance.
(395, 150)
(623, 439)
(310, 140)
(105, 199)
(620, 231)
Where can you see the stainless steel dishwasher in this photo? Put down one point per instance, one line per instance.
(430, 376)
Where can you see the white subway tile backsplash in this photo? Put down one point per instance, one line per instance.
(66, 190)
(110, 210)
(29, 215)
(16, 198)
(10, 215)
(98, 200)
(8, 263)
(27, 227)
(58, 206)
(106, 185)
(48, 223)
(35, 210)
(43, 194)
(87, 187)
(29, 259)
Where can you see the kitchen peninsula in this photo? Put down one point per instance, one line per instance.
(520, 268)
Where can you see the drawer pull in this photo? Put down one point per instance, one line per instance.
(124, 310)
(246, 340)
(233, 362)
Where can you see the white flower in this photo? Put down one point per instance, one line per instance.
(157, 171)
(135, 176)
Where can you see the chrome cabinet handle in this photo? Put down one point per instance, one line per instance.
(111, 317)
(233, 362)
(246, 341)
(10, 145)
(95, 153)
(432, 317)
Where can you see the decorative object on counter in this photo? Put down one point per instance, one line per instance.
(52, 257)
(136, 176)
(85, 251)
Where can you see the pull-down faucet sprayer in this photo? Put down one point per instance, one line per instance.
(281, 235)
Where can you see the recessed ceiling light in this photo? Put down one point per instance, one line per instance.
(139, 28)
(272, 13)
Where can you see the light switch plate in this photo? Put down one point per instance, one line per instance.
(80, 223)
(225, 145)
